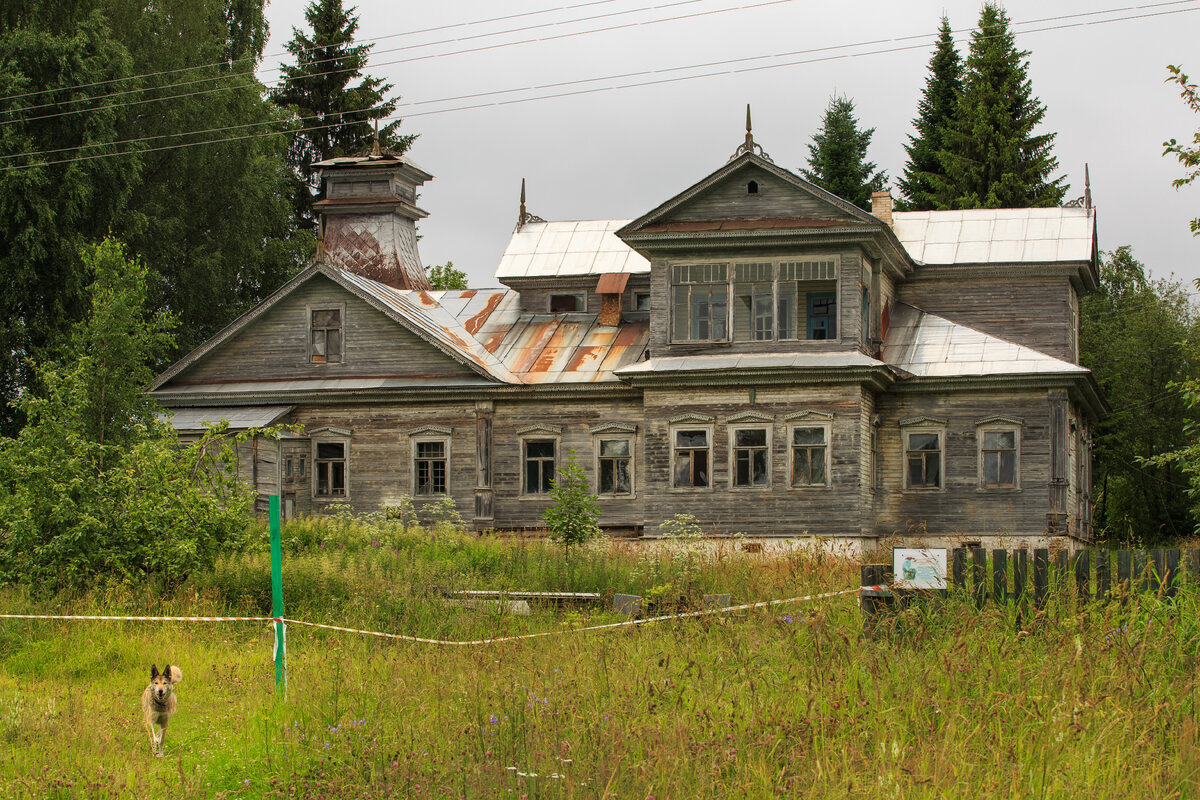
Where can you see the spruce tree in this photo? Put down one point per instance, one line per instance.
(317, 90)
(837, 158)
(992, 158)
(936, 111)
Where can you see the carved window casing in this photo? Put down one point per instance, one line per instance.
(924, 453)
(614, 445)
(999, 441)
(809, 434)
(691, 451)
(539, 458)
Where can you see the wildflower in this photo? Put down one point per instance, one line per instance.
(246, 782)
(787, 620)
(494, 719)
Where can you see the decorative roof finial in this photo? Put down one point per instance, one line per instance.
(525, 216)
(375, 149)
(1087, 187)
(749, 145)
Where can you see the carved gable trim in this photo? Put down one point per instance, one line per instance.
(809, 414)
(1000, 419)
(923, 420)
(332, 430)
(613, 427)
(750, 416)
(431, 430)
(691, 418)
(540, 427)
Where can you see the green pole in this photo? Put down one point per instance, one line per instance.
(277, 597)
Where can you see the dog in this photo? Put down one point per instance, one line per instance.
(158, 703)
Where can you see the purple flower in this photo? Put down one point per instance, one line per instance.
(494, 719)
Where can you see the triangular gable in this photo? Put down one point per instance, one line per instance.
(784, 199)
(444, 335)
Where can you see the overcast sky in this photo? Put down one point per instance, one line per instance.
(620, 150)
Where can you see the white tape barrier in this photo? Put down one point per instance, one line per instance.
(450, 642)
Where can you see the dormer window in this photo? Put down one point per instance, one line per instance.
(568, 303)
(326, 336)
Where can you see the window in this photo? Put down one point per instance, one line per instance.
(923, 459)
(752, 187)
(998, 458)
(754, 302)
(691, 458)
(568, 303)
(865, 332)
(539, 465)
(641, 301)
(300, 471)
(429, 467)
(810, 452)
(614, 467)
(700, 302)
(326, 327)
(331, 469)
(751, 457)
(287, 468)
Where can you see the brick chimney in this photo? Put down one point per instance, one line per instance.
(368, 218)
(881, 206)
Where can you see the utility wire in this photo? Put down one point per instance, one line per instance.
(588, 32)
(375, 65)
(228, 63)
(566, 94)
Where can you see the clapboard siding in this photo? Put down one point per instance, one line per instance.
(961, 507)
(729, 199)
(275, 346)
(1032, 311)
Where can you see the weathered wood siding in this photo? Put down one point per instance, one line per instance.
(961, 507)
(275, 346)
(778, 510)
(1033, 311)
(730, 199)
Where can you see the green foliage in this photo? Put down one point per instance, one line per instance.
(837, 158)
(445, 276)
(1188, 155)
(93, 485)
(1139, 337)
(935, 113)
(316, 91)
(991, 157)
(682, 526)
(574, 517)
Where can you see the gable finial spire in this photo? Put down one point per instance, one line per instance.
(1087, 187)
(749, 146)
(375, 149)
(524, 216)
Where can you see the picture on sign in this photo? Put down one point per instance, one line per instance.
(919, 568)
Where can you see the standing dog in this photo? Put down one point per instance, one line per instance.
(158, 703)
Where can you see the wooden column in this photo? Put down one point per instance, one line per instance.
(1056, 514)
(484, 511)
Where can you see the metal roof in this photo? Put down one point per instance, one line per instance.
(997, 235)
(929, 346)
(570, 348)
(751, 361)
(553, 249)
(191, 420)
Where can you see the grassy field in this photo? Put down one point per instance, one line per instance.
(795, 700)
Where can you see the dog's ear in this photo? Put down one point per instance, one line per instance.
(167, 673)
(153, 672)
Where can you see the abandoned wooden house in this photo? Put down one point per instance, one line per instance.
(754, 351)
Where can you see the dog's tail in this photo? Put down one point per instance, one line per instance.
(174, 674)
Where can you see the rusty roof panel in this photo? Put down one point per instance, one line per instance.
(747, 224)
(612, 283)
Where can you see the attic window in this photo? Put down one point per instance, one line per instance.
(752, 187)
(567, 303)
(326, 336)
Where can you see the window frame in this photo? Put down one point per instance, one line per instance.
(415, 441)
(689, 425)
(580, 301)
(826, 426)
(633, 300)
(614, 433)
(923, 426)
(537, 434)
(309, 310)
(337, 438)
(998, 425)
(750, 425)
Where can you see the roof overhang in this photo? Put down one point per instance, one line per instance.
(1081, 386)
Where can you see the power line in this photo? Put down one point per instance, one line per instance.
(390, 63)
(303, 50)
(585, 91)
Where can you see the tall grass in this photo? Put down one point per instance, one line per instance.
(940, 701)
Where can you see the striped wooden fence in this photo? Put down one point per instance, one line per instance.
(1006, 575)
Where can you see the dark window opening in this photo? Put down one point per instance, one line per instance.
(430, 468)
(924, 460)
(327, 336)
(1000, 459)
(565, 303)
(641, 301)
(615, 462)
(808, 457)
(750, 457)
(539, 466)
(691, 459)
(752, 187)
(331, 469)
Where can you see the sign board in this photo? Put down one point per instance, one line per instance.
(919, 568)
